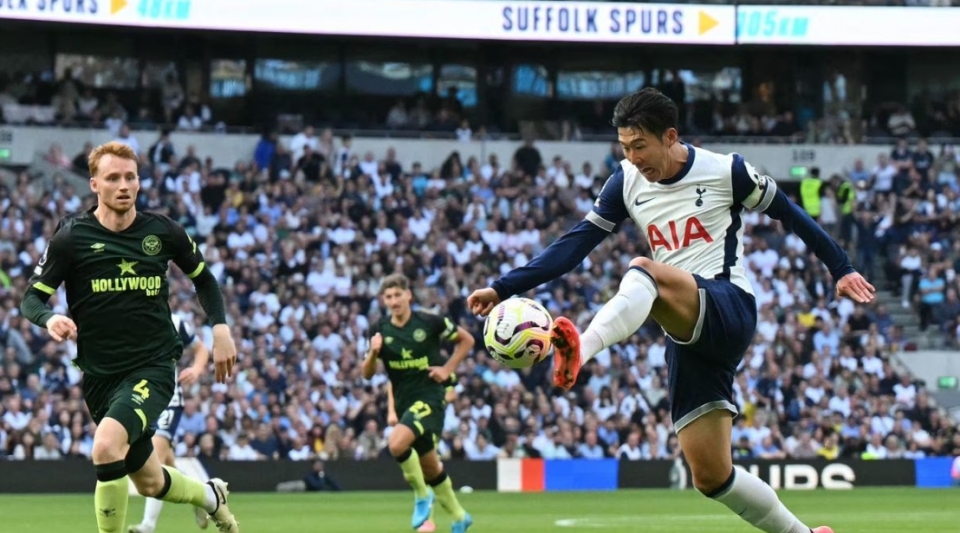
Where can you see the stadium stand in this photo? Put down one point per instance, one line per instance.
(300, 232)
(31, 98)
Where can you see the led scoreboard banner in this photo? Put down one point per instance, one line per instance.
(439, 19)
(600, 22)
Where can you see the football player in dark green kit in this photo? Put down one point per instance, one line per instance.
(113, 262)
(392, 420)
(409, 343)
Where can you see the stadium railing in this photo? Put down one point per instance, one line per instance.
(384, 133)
(512, 475)
(45, 173)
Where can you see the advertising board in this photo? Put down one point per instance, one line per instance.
(596, 22)
(848, 25)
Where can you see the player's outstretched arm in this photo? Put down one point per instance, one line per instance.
(34, 308)
(211, 300)
(761, 194)
(563, 255)
(556, 260)
(849, 282)
(49, 273)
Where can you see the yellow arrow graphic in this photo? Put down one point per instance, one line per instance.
(707, 22)
(117, 5)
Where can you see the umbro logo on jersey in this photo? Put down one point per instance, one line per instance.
(97, 247)
(700, 196)
(638, 203)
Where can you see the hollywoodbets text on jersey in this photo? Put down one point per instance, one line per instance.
(49, 6)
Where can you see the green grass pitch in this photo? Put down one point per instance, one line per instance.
(856, 511)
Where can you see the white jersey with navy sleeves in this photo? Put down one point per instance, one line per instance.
(692, 221)
(188, 338)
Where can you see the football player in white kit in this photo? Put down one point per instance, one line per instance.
(688, 201)
(166, 428)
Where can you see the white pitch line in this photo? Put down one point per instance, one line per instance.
(649, 520)
(604, 522)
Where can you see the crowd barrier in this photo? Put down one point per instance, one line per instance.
(508, 475)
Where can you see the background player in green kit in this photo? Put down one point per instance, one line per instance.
(450, 396)
(409, 343)
(113, 262)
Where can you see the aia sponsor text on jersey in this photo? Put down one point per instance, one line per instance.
(677, 234)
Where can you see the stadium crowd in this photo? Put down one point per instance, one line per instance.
(301, 233)
(905, 211)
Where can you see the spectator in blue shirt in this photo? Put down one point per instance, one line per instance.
(266, 443)
(931, 297)
(591, 449)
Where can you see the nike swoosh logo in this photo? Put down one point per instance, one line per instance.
(221, 498)
(637, 202)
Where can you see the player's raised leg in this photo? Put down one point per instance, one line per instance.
(154, 480)
(401, 448)
(153, 506)
(710, 323)
(144, 395)
(442, 486)
(648, 287)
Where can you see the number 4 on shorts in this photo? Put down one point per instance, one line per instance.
(420, 410)
(142, 389)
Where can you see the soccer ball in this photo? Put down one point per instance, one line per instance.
(517, 332)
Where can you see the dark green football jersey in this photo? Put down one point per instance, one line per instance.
(408, 352)
(117, 290)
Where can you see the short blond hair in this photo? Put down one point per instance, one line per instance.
(395, 281)
(114, 148)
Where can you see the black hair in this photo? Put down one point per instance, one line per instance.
(648, 110)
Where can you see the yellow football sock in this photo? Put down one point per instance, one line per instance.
(410, 464)
(183, 489)
(110, 499)
(443, 488)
